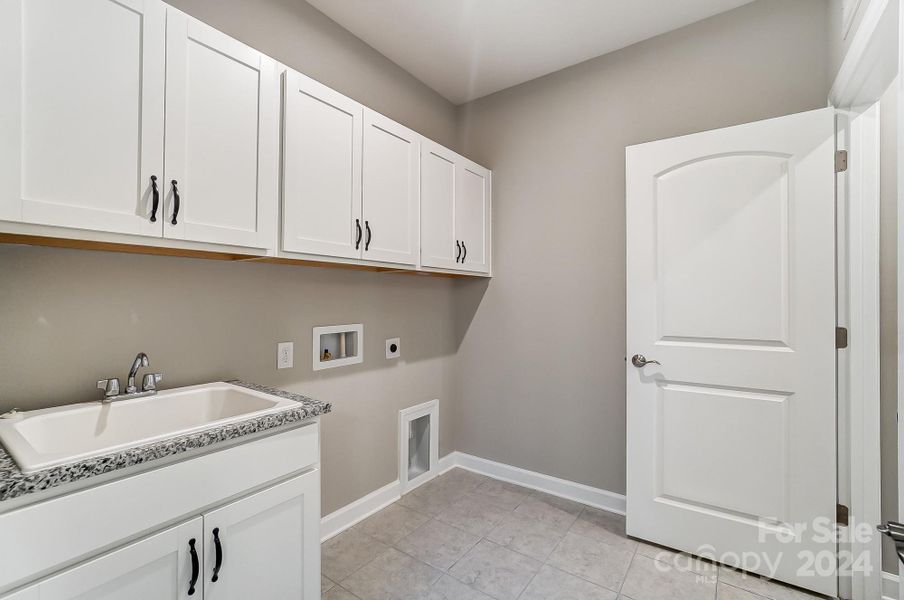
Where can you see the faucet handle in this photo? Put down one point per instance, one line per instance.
(109, 386)
(150, 381)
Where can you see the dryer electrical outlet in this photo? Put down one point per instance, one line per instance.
(393, 348)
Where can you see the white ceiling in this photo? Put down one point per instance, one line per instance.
(465, 49)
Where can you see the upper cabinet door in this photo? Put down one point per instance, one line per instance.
(321, 211)
(81, 113)
(438, 180)
(158, 567)
(266, 545)
(222, 138)
(390, 190)
(472, 216)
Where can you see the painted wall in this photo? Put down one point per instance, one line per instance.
(68, 318)
(541, 365)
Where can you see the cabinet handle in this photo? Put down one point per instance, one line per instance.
(369, 234)
(358, 239)
(457, 250)
(175, 202)
(465, 253)
(195, 567)
(218, 549)
(155, 193)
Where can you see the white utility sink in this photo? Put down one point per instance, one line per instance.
(66, 434)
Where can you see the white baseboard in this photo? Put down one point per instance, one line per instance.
(338, 521)
(351, 514)
(889, 586)
(596, 497)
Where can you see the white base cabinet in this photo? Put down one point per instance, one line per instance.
(260, 539)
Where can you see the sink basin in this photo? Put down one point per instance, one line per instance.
(66, 434)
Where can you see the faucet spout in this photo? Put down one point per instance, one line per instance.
(140, 361)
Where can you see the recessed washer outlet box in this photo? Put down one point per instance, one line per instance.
(337, 346)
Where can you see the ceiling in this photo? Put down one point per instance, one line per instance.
(465, 49)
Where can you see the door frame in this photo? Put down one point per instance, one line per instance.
(869, 67)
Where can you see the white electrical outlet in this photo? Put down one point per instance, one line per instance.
(393, 348)
(285, 355)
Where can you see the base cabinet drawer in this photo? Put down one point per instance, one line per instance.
(266, 545)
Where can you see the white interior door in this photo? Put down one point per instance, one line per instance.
(267, 544)
(158, 567)
(438, 180)
(81, 112)
(390, 189)
(321, 211)
(222, 138)
(472, 215)
(731, 287)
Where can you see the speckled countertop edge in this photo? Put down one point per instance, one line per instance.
(14, 483)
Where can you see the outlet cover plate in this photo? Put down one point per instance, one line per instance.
(390, 353)
(285, 355)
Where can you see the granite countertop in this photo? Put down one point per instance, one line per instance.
(14, 483)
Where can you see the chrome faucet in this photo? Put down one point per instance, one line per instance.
(148, 383)
(140, 361)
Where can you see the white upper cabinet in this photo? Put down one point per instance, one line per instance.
(472, 215)
(81, 112)
(455, 211)
(438, 248)
(390, 190)
(321, 210)
(222, 138)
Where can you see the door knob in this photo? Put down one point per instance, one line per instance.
(640, 361)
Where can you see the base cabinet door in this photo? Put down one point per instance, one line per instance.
(322, 140)
(222, 138)
(81, 113)
(266, 545)
(158, 567)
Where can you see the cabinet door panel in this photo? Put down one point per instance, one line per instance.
(321, 170)
(270, 543)
(81, 131)
(438, 206)
(157, 567)
(222, 137)
(390, 190)
(472, 192)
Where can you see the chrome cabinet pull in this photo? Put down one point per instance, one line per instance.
(640, 361)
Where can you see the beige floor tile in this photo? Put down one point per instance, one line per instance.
(553, 584)
(474, 514)
(594, 561)
(392, 523)
(391, 575)
(549, 511)
(762, 586)
(449, 588)
(462, 479)
(679, 560)
(325, 584)
(527, 536)
(729, 592)
(437, 544)
(348, 552)
(495, 571)
(505, 495)
(649, 579)
(603, 526)
(337, 593)
(433, 497)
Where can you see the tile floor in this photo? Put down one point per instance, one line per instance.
(464, 536)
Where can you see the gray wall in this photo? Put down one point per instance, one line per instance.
(68, 318)
(541, 364)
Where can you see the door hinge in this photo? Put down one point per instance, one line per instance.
(841, 337)
(841, 161)
(842, 515)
